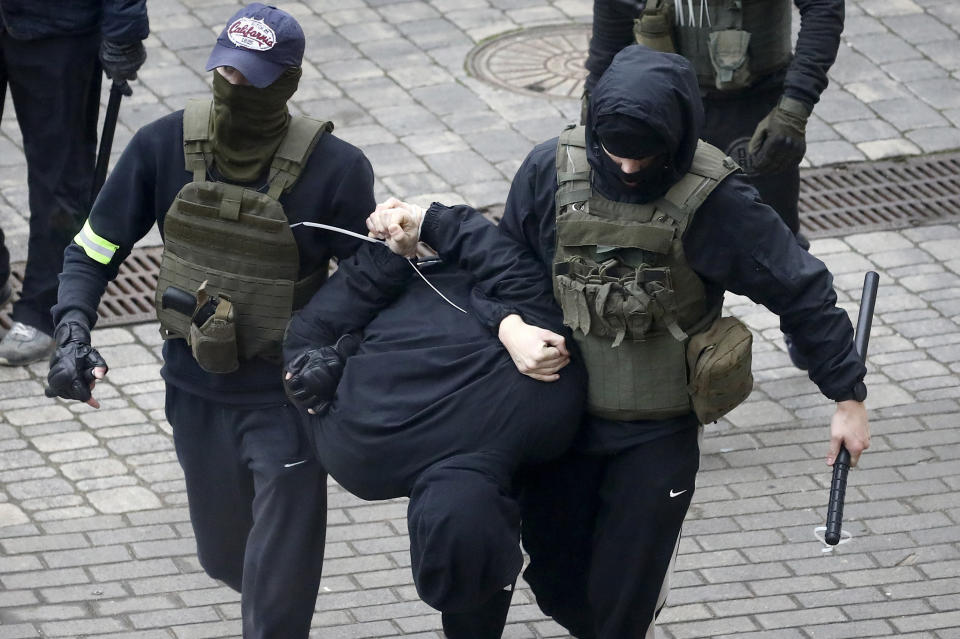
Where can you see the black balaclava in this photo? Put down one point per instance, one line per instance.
(646, 103)
(249, 124)
(627, 137)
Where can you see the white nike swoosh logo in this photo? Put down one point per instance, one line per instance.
(302, 461)
(677, 493)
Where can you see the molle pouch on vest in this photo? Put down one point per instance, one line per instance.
(213, 339)
(604, 300)
(654, 27)
(730, 57)
(720, 360)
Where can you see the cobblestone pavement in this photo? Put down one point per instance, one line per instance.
(94, 531)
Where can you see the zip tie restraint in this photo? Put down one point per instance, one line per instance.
(337, 229)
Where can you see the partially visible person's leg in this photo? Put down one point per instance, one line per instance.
(465, 542)
(219, 487)
(284, 552)
(5, 290)
(257, 503)
(559, 504)
(55, 86)
(645, 494)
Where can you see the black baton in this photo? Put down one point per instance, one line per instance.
(117, 90)
(841, 465)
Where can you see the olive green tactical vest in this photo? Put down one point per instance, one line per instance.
(625, 287)
(237, 239)
(741, 41)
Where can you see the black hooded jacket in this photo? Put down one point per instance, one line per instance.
(734, 242)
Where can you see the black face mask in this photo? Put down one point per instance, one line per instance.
(645, 185)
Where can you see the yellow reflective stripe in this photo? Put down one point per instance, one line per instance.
(96, 248)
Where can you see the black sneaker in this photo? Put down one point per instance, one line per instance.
(795, 356)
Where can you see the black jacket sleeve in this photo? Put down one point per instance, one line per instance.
(125, 210)
(821, 22)
(741, 245)
(364, 284)
(125, 20)
(507, 277)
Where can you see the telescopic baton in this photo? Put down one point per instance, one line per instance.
(841, 465)
(117, 91)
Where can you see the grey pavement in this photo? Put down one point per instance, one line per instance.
(95, 538)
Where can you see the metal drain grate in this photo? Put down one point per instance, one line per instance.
(128, 299)
(874, 196)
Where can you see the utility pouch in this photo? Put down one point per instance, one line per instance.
(606, 300)
(730, 57)
(719, 362)
(213, 333)
(654, 27)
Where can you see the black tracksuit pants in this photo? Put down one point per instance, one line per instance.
(55, 87)
(258, 505)
(602, 533)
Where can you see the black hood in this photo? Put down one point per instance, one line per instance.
(659, 89)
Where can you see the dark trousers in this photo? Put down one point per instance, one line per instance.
(730, 119)
(55, 86)
(602, 533)
(258, 505)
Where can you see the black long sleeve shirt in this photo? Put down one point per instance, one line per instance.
(335, 188)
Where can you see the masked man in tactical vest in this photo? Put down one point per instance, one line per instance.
(224, 180)
(640, 228)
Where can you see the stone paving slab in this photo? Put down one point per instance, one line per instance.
(95, 538)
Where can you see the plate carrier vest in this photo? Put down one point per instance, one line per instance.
(624, 286)
(742, 40)
(237, 240)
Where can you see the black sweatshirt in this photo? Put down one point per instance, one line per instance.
(428, 381)
(734, 241)
(335, 187)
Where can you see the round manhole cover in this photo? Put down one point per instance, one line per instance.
(544, 60)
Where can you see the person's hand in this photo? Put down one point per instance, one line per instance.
(849, 427)
(779, 141)
(537, 352)
(75, 366)
(312, 377)
(122, 60)
(397, 223)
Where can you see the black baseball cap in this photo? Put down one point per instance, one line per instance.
(261, 42)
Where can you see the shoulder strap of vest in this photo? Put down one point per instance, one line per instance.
(302, 136)
(573, 171)
(710, 167)
(197, 134)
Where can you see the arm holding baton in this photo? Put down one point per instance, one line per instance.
(842, 463)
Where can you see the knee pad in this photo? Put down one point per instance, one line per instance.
(464, 533)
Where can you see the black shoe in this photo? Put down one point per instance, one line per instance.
(795, 356)
(5, 293)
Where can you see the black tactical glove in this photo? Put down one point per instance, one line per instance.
(316, 373)
(72, 364)
(780, 141)
(121, 60)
